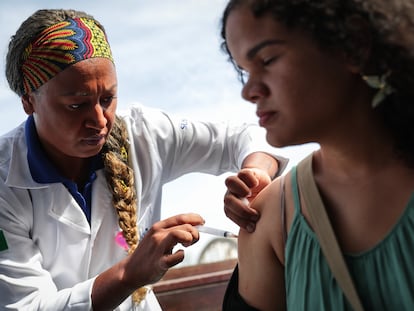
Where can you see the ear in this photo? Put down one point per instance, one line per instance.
(360, 42)
(27, 101)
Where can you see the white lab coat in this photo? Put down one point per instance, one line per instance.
(53, 254)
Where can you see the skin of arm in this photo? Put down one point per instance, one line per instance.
(257, 172)
(148, 263)
(261, 264)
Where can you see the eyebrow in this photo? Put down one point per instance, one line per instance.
(77, 93)
(254, 50)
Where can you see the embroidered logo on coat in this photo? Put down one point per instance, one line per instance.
(183, 124)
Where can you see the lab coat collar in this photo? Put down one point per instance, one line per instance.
(18, 172)
(18, 176)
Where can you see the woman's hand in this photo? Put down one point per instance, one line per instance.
(148, 263)
(241, 190)
(154, 254)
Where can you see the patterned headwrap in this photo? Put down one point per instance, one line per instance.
(60, 46)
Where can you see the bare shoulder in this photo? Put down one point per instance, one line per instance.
(261, 270)
(267, 198)
(269, 203)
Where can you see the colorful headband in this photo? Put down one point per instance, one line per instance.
(60, 46)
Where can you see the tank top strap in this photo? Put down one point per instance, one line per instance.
(295, 189)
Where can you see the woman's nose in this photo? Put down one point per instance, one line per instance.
(254, 90)
(97, 118)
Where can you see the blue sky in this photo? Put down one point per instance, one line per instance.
(168, 56)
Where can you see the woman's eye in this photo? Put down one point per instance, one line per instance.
(106, 101)
(268, 61)
(74, 106)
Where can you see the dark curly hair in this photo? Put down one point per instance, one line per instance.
(331, 24)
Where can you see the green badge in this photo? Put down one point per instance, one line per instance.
(3, 242)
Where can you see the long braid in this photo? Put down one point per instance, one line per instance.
(120, 179)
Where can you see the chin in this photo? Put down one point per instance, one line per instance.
(90, 152)
(273, 140)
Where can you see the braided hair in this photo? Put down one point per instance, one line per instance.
(120, 179)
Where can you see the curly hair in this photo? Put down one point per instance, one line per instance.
(331, 24)
(119, 174)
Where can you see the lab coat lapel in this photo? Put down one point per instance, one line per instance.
(101, 202)
(69, 213)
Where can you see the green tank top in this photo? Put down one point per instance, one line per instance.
(383, 275)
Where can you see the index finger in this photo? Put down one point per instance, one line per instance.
(180, 219)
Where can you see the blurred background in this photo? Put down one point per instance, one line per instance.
(168, 56)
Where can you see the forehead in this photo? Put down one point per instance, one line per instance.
(95, 67)
(244, 30)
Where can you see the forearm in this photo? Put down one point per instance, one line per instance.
(109, 290)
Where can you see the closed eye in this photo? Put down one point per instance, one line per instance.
(269, 61)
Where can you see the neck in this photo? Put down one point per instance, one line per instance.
(77, 171)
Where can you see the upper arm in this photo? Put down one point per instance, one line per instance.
(184, 145)
(261, 272)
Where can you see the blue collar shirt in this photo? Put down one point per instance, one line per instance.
(43, 171)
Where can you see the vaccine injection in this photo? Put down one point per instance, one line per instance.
(216, 232)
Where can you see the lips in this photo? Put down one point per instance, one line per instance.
(265, 117)
(95, 140)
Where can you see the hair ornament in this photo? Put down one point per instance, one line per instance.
(124, 154)
(379, 83)
(123, 185)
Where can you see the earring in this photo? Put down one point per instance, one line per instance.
(379, 83)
